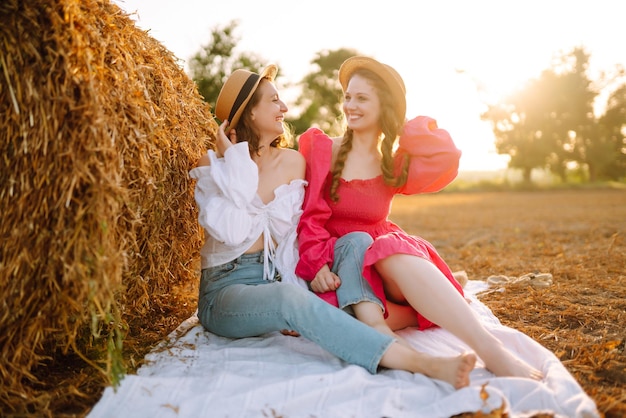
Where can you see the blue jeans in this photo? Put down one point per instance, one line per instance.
(348, 265)
(236, 302)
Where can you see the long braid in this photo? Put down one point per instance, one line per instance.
(390, 134)
(340, 162)
(391, 128)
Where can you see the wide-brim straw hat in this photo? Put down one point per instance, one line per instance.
(384, 71)
(237, 92)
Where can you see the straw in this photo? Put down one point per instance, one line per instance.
(100, 126)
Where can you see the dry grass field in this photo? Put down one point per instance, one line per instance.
(579, 236)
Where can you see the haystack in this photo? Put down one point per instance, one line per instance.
(99, 128)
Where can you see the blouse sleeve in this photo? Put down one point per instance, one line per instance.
(286, 256)
(223, 191)
(433, 156)
(286, 259)
(316, 246)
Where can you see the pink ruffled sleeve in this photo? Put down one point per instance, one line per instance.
(434, 158)
(315, 244)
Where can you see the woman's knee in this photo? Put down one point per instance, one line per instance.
(358, 240)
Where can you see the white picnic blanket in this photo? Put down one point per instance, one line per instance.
(197, 374)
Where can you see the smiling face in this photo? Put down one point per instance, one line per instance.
(361, 105)
(268, 113)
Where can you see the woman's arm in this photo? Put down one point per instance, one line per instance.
(223, 190)
(434, 158)
(316, 246)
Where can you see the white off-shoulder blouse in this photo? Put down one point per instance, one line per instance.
(234, 216)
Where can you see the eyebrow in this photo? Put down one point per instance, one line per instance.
(358, 93)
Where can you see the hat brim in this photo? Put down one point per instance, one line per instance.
(268, 73)
(387, 73)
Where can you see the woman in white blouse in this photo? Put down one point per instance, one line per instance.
(249, 193)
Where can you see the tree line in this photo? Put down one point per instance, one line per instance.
(549, 123)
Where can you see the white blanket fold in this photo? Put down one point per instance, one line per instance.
(197, 374)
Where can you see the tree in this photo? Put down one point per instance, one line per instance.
(547, 123)
(577, 108)
(321, 95)
(210, 67)
(606, 156)
(516, 137)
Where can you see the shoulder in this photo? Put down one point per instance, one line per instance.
(314, 142)
(204, 160)
(336, 141)
(293, 162)
(291, 156)
(313, 135)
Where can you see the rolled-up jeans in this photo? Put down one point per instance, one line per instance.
(236, 302)
(348, 265)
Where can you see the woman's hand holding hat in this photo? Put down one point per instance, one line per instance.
(223, 142)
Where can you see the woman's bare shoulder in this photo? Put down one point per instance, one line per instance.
(336, 145)
(291, 154)
(204, 160)
(293, 161)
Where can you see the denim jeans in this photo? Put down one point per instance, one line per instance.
(348, 265)
(236, 302)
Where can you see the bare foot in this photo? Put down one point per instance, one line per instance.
(454, 370)
(504, 363)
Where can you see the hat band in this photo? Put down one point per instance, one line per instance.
(243, 94)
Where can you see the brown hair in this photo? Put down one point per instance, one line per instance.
(391, 127)
(246, 130)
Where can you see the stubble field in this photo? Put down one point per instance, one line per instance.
(578, 236)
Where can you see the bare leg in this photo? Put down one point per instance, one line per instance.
(400, 316)
(430, 293)
(371, 314)
(454, 370)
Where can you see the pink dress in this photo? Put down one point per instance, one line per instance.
(364, 205)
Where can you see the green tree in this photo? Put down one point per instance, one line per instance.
(578, 114)
(606, 156)
(321, 94)
(210, 66)
(548, 121)
(517, 137)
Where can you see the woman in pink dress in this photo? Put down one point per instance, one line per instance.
(352, 181)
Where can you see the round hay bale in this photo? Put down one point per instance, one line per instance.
(99, 128)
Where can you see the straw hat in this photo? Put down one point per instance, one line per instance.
(388, 74)
(237, 92)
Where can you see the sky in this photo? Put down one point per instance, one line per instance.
(452, 54)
